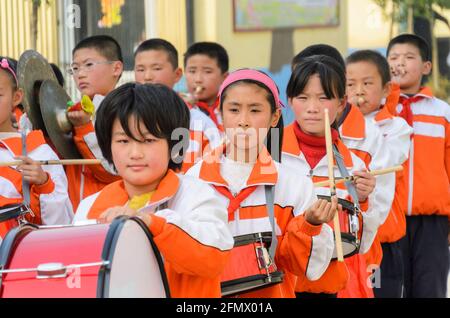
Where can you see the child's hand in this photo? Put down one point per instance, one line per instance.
(109, 215)
(32, 171)
(79, 118)
(365, 183)
(322, 211)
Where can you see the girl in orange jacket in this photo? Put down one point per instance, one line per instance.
(188, 222)
(243, 171)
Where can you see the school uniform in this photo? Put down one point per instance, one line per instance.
(212, 111)
(303, 249)
(190, 232)
(388, 282)
(49, 202)
(336, 276)
(427, 174)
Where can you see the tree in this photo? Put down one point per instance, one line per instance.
(408, 10)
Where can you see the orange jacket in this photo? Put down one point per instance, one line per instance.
(296, 253)
(337, 275)
(427, 171)
(86, 180)
(191, 234)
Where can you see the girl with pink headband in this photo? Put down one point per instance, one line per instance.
(48, 198)
(264, 213)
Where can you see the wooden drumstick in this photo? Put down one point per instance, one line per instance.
(353, 178)
(69, 162)
(329, 145)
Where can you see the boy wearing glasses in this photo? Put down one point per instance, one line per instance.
(96, 68)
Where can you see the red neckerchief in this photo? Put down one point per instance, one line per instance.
(235, 201)
(210, 110)
(314, 148)
(406, 112)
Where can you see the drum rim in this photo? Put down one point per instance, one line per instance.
(109, 245)
(9, 243)
(245, 239)
(351, 240)
(18, 210)
(278, 277)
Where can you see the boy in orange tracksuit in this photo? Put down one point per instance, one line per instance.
(156, 62)
(368, 83)
(97, 66)
(206, 67)
(427, 171)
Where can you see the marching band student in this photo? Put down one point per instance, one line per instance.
(365, 140)
(369, 87)
(156, 62)
(427, 170)
(48, 196)
(96, 68)
(258, 189)
(206, 67)
(318, 83)
(186, 218)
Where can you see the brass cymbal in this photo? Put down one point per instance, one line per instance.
(32, 70)
(53, 102)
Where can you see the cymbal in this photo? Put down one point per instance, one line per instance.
(32, 70)
(53, 102)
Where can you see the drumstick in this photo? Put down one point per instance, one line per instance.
(329, 145)
(353, 178)
(69, 162)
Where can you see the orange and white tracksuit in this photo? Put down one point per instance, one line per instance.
(336, 276)
(364, 139)
(87, 180)
(397, 136)
(427, 171)
(303, 249)
(49, 202)
(204, 136)
(191, 233)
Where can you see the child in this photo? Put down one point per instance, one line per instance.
(368, 84)
(96, 68)
(427, 171)
(156, 62)
(187, 220)
(243, 170)
(365, 140)
(317, 83)
(48, 198)
(206, 67)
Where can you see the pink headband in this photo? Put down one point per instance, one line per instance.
(5, 65)
(248, 74)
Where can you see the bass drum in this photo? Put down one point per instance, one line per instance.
(117, 260)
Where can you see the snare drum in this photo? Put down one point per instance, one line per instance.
(98, 260)
(349, 224)
(250, 266)
(11, 216)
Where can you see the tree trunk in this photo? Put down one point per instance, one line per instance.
(435, 57)
(410, 18)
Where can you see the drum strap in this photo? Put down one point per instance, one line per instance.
(25, 184)
(270, 207)
(343, 170)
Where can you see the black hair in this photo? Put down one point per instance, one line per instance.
(159, 108)
(274, 131)
(160, 45)
(106, 45)
(318, 49)
(331, 73)
(212, 50)
(414, 40)
(58, 74)
(376, 59)
(13, 65)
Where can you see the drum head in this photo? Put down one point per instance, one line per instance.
(137, 270)
(349, 246)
